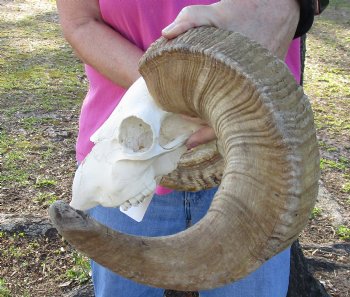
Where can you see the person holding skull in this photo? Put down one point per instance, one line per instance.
(110, 37)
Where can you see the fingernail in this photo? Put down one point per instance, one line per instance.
(191, 145)
(167, 29)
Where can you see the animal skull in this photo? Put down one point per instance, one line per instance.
(137, 144)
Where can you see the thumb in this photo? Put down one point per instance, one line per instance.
(203, 135)
(190, 17)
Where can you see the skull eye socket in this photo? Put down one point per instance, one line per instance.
(173, 130)
(135, 135)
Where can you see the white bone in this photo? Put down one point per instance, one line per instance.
(137, 144)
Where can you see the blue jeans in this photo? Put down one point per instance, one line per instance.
(170, 214)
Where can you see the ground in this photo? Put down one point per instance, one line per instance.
(42, 86)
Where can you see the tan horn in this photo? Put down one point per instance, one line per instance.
(199, 168)
(264, 125)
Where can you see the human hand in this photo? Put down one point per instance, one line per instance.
(202, 135)
(272, 23)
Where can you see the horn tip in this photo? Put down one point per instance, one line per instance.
(66, 217)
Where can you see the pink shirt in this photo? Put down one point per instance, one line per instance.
(141, 22)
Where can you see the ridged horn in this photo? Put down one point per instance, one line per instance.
(199, 168)
(264, 125)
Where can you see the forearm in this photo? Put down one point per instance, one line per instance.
(107, 51)
(96, 44)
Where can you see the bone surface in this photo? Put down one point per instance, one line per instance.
(138, 144)
(265, 129)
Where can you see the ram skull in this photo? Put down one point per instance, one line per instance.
(137, 145)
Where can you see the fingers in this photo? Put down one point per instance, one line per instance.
(203, 135)
(190, 17)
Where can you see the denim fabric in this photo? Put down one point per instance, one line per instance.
(171, 213)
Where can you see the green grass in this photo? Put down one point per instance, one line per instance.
(45, 199)
(28, 255)
(39, 70)
(13, 152)
(33, 122)
(80, 272)
(316, 212)
(327, 75)
(17, 153)
(339, 4)
(44, 182)
(41, 79)
(343, 232)
(42, 85)
(346, 187)
(13, 248)
(4, 291)
(342, 164)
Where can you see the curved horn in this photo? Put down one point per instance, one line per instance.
(265, 126)
(199, 168)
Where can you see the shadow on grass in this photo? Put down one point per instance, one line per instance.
(38, 75)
